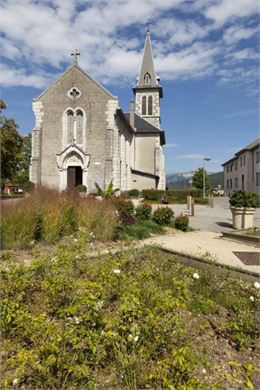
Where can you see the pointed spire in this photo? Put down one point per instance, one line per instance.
(147, 74)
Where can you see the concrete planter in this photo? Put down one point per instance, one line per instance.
(243, 217)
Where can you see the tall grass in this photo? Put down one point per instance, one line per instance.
(48, 215)
(18, 225)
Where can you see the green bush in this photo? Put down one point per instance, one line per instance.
(163, 215)
(124, 206)
(81, 188)
(182, 222)
(152, 194)
(27, 186)
(202, 201)
(144, 211)
(140, 230)
(134, 193)
(244, 199)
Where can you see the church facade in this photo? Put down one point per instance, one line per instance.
(81, 135)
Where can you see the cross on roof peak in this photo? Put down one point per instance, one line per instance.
(148, 25)
(74, 55)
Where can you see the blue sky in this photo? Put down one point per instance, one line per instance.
(206, 53)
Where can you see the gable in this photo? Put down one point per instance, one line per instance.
(74, 76)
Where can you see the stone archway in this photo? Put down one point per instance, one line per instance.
(73, 167)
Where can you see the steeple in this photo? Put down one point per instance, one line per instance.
(147, 74)
(147, 90)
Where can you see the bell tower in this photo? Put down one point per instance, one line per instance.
(148, 91)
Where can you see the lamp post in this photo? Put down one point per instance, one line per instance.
(204, 159)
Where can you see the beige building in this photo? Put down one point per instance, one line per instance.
(242, 172)
(81, 135)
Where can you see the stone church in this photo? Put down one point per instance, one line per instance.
(82, 136)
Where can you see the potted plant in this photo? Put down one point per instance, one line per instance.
(243, 205)
(82, 190)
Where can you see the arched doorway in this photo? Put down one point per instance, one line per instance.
(74, 176)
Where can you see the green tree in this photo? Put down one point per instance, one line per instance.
(11, 144)
(24, 156)
(197, 179)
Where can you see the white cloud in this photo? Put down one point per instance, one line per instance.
(171, 145)
(236, 33)
(194, 156)
(38, 34)
(223, 11)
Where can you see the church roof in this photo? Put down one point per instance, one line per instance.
(75, 65)
(143, 126)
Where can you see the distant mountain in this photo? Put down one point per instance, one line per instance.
(181, 180)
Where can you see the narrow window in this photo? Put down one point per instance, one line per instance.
(230, 184)
(236, 182)
(147, 78)
(258, 179)
(144, 105)
(227, 184)
(257, 157)
(70, 123)
(79, 126)
(150, 105)
(227, 168)
(236, 166)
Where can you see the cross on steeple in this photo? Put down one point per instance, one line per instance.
(74, 55)
(148, 25)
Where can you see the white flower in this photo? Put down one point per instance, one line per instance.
(99, 305)
(257, 285)
(117, 271)
(136, 338)
(252, 298)
(75, 240)
(91, 245)
(195, 276)
(15, 381)
(76, 320)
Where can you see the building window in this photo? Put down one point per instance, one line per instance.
(236, 183)
(241, 161)
(227, 168)
(244, 160)
(231, 166)
(227, 184)
(236, 166)
(258, 179)
(144, 105)
(70, 126)
(147, 78)
(257, 157)
(79, 126)
(150, 105)
(230, 184)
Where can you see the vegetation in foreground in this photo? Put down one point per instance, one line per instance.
(136, 319)
(47, 216)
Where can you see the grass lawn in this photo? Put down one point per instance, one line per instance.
(132, 320)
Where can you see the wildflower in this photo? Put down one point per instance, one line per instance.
(257, 285)
(91, 245)
(76, 320)
(117, 271)
(136, 338)
(75, 240)
(252, 298)
(195, 275)
(99, 305)
(15, 381)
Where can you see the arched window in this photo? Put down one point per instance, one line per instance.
(147, 78)
(150, 105)
(144, 105)
(70, 126)
(79, 126)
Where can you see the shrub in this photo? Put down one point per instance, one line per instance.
(134, 193)
(27, 186)
(182, 222)
(81, 188)
(201, 201)
(152, 194)
(127, 220)
(51, 222)
(143, 211)
(163, 215)
(139, 231)
(123, 206)
(244, 199)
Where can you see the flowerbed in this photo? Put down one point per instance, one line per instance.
(138, 319)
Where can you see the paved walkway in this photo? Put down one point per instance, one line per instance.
(207, 245)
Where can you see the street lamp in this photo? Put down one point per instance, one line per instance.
(204, 159)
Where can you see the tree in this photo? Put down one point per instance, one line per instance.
(24, 156)
(11, 144)
(197, 179)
